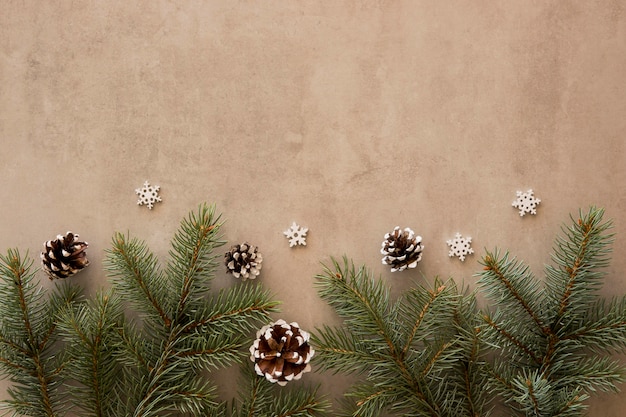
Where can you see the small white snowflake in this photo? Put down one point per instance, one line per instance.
(148, 195)
(296, 235)
(526, 202)
(460, 246)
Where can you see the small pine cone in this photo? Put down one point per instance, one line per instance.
(243, 261)
(64, 256)
(402, 249)
(281, 352)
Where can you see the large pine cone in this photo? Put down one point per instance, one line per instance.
(64, 256)
(281, 352)
(243, 261)
(402, 249)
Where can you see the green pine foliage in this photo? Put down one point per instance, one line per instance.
(259, 398)
(29, 339)
(554, 338)
(182, 328)
(143, 346)
(419, 355)
(92, 333)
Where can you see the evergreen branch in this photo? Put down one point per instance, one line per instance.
(583, 249)
(64, 297)
(436, 356)
(234, 310)
(590, 375)
(371, 399)
(187, 330)
(159, 374)
(210, 352)
(31, 334)
(517, 285)
(532, 393)
(580, 254)
(162, 380)
(414, 351)
(298, 403)
(469, 391)
(573, 406)
(560, 330)
(89, 331)
(132, 348)
(604, 328)
(342, 351)
(12, 346)
(360, 300)
(15, 272)
(12, 365)
(426, 306)
(260, 398)
(473, 381)
(136, 275)
(195, 397)
(591, 230)
(192, 253)
(512, 339)
(474, 377)
(253, 393)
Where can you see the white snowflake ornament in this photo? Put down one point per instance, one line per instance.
(460, 246)
(148, 195)
(296, 235)
(526, 202)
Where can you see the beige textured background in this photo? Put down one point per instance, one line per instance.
(348, 117)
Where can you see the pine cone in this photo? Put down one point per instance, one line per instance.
(281, 352)
(243, 261)
(64, 256)
(402, 249)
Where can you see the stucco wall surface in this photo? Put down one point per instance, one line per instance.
(347, 117)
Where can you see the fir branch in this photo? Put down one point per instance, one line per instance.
(573, 405)
(160, 391)
(512, 339)
(133, 349)
(192, 257)
(438, 355)
(27, 333)
(420, 302)
(253, 394)
(134, 271)
(371, 400)
(260, 398)
(185, 331)
(604, 330)
(532, 394)
(580, 254)
(589, 374)
(572, 325)
(473, 378)
(303, 402)
(234, 310)
(90, 331)
(362, 301)
(210, 352)
(195, 397)
(417, 353)
(343, 351)
(512, 285)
